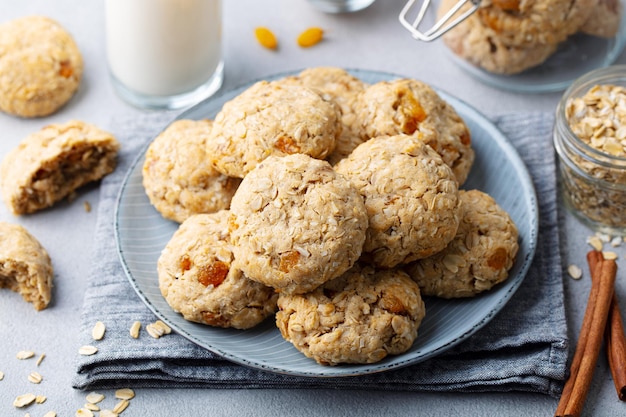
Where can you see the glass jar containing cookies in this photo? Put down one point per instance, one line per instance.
(528, 46)
(590, 140)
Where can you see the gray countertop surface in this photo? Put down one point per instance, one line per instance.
(372, 39)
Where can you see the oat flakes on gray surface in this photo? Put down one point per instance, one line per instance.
(360, 317)
(411, 197)
(198, 279)
(343, 88)
(25, 266)
(52, 163)
(178, 177)
(411, 107)
(478, 258)
(296, 223)
(40, 66)
(272, 118)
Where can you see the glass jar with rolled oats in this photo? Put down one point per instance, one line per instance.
(590, 140)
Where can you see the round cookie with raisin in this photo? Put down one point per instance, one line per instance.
(296, 223)
(198, 279)
(478, 258)
(360, 317)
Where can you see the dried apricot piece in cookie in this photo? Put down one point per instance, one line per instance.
(411, 197)
(178, 177)
(480, 256)
(296, 223)
(360, 317)
(198, 279)
(40, 66)
(25, 265)
(53, 162)
(272, 118)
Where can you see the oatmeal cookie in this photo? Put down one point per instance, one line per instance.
(40, 66)
(272, 118)
(177, 176)
(524, 23)
(198, 279)
(411, 107)
(296, 223)
(53, 162)
(343, 88)
(604, 19)
(482, 47)
(360, 317)
(25, 266)
(411, 197)
(480, 256)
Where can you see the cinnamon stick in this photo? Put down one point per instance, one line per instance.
(590, 338)
(615, 342)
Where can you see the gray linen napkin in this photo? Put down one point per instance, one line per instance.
(523, 348)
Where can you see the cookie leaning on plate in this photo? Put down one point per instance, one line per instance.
(40, 66)
(478, 258)
(53, 162)
(360, 317)
(178, 177)
(25, 265)
(198, 279)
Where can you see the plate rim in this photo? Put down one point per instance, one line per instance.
(348, 370)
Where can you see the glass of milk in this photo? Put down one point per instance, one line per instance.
(164, 54)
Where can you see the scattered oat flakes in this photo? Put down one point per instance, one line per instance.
(166, 329)
(595, 242)
(87, 206)
(609, 255)
(134, 329)
(616, 241)
(91, 407)
(35, 377)
(24, 400)
(40, 399)
(94, 397)
(98, 331)
(121, 406)
(125, 394)
(87, 350)
(50, 414)
(83, 412)
(574, 271)
(1, 375)
(266, 37)
(310, 37)
(25, 354)
(107, 413)
(40, 359)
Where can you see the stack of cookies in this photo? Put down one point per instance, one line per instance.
(510, 36)
(339, 208)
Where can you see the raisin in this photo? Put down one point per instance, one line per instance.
(66, 70)
(287, 145)
(213, 274)
(310, 37)
(288, 260)
(266, 38)
(497, 259)
(412, 111)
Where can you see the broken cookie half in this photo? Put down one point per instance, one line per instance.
(25, 266)
(52, 163)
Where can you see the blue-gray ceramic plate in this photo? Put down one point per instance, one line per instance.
(142, 233)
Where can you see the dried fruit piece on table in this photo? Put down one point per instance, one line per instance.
(266, 37)
(310, 37)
